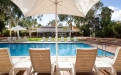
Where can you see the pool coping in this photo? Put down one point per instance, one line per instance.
(60, 56)
(42, 42)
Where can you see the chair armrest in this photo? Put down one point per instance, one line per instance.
(72, 62)
(53, 63)
(110, 61)
(11, 71)
(31, 70)
(16, 60)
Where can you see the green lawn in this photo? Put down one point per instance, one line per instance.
(39, 39)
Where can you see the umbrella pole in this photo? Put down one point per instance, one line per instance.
(56, 31)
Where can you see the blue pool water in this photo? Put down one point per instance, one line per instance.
(64, 49)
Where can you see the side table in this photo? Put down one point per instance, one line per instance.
(101, 64)
(23, 65)
(64, 66)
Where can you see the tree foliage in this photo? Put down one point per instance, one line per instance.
(2, 25)
(52, 23)
(106, 14)
(115, 28)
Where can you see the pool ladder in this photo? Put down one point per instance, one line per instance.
(104, 49)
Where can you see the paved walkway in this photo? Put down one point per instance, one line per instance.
(110, 44)
(102, 72)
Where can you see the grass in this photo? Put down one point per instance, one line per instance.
(46, 39)
(34, 39)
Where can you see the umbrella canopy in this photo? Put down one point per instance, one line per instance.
(71, 7)
(17, 28)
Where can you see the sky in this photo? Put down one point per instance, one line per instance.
(112, 4)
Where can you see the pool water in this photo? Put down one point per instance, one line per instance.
(64, 49)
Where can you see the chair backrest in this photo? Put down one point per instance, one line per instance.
(5, 60)
(75, 39)
(62, 38)
(40, 59)
(8, 38)
(14, 38)
(43, 39)
(117, 59)
(19, 38)
(49, 38)
(85, 59)
(25, 38)
(68, 39)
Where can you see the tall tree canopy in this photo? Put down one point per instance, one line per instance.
(80, 20)
(11, 11)
(106, 15)
(2, 25)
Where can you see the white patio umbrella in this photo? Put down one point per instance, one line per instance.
(17, 28)
(70, 7)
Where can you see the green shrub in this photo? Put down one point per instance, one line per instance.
(5, 33)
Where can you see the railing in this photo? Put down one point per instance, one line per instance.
(104, 49)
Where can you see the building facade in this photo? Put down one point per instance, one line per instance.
(63, 31)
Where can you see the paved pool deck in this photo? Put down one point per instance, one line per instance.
(61, 58)
(109, 43)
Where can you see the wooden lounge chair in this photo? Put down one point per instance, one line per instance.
(49, 39)
(14, 39)
(75, 39)
(19, 39)
(85, 59)
(24, 39)
(115, 62)
(41, 60)
(6, 62)
(43, 39)
(55, 39)
(9, 39)
(68, 39)
(62, 39)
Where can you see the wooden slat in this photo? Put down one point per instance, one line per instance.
(85, 59)
(40, 59)
(5, 63)
(117, 59)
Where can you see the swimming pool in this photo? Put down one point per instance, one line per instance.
(64, 49)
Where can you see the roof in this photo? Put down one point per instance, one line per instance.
(74, 29)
